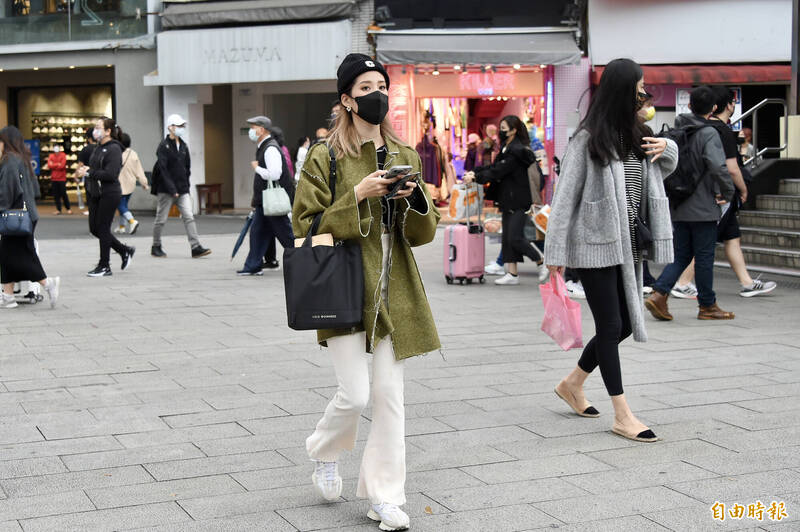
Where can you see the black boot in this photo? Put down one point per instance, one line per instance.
(156, 251)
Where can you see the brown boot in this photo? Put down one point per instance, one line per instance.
(657, 305)
(714, 313)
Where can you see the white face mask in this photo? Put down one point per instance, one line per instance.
(253, 135)
(180, 132)
(98, 134)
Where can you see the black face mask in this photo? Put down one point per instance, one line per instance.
(740, 140)
(641, 97)
(373, 107)
(503, 136)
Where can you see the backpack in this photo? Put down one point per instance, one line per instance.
(681, 184)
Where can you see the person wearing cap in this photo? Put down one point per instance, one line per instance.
(397, 322)
(171, 186)
(269, 165)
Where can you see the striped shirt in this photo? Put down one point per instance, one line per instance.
(633, 193)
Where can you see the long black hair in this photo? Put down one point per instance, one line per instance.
(613, 127)
(14, 144)
(109, 123)
(513, 122)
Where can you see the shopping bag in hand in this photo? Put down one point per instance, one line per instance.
(562, 316)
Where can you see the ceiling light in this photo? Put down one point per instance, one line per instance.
(36, 68)
(456, 67)
(435, 70)
(72, 67)
(517, 66)
(542, 66)
(109, 65)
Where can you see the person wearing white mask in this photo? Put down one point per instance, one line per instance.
(171, 186)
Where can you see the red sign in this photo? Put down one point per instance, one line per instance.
(487, 83)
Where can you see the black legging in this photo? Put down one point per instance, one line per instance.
(101, 214)
(60, 193)
(605, 294)
(515, 245)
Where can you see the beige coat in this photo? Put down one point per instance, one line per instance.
(131, 172)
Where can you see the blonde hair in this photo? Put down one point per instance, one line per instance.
(345, 140)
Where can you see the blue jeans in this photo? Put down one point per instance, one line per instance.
(692, 240)
(264, 230)
(123, 204)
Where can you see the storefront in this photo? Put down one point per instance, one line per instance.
(448, 84)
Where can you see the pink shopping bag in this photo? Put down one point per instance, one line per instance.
(562, 316)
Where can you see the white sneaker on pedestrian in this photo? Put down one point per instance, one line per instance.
(758, 287)
(134, 226)
(390, 516)
(508, 279)
(494, 269)
(327, 480)
(7, 301)
(544, 273)
(687, 291)
(575, 290)
(647, 290)
(52, 287)
(119, 229)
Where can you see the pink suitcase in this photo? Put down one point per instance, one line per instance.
(464, 251)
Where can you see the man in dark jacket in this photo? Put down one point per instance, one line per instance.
(171, 186)
(695, 219)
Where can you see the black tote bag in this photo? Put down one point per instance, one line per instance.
(324, 284)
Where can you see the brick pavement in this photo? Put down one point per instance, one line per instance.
(172, 397)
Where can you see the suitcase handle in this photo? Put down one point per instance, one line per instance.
(453, 252)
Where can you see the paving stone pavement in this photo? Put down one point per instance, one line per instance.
(173, 397)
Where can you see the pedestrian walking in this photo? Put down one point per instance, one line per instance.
(103, 193)
(269, 165)
(397, 321)
(695, 219)
(171, 186)
(611, 169)
(18, 258)
(302, 150)
(509, 173)
(131, 173)
(57, 162)
(270, 255)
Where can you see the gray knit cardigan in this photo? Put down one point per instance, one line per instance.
(588, 225)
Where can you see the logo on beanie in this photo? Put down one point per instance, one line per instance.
(369, 64)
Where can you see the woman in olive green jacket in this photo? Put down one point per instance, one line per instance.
(397, 320)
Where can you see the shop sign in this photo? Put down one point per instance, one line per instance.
(251, 54)
(34, 146)
(682, 104)
(485, 84)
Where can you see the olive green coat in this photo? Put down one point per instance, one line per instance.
(407, 319)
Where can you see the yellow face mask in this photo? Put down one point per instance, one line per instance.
(649, 113)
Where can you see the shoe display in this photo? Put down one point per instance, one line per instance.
(156, 251)
(327, 481)
(390, 516)
(688, 291)
(200, 251)
(657, 305)
(508, 279)
(575, 290)
(494, 269)
(714, 313)
(758, 287)
(244, 273)
(52, 288)
(100, 271)
(127, 258)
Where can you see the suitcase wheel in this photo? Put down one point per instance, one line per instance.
(469, 281)
(448, 279)
(482, 280)
(461, 281)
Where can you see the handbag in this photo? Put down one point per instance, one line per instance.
(324, 281)
(16, 222)
(275, 200)
(562, 316)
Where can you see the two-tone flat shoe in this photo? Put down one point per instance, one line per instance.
(589, 411)
(646, 436)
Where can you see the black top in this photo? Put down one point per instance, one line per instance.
(104, 168)
(86, 154)
(259, 183)
(509, 173)
(727, 136)
(17, 184)
(174, 166)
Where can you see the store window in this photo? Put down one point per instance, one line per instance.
(34, 21)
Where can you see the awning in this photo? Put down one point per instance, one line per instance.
(709, 74)
(526, 46)
(182, 14)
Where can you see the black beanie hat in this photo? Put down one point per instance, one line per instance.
(353, 66)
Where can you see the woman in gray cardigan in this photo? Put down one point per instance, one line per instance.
(612, 173)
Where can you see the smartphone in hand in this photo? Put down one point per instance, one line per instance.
(400, 185)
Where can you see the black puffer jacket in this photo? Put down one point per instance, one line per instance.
(509, 173)
(105, 165)
(174, 168)
(15, 177)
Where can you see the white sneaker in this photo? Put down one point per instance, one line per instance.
(507, 279)
(575, 290)
(647, 290)
(7, 301)
(51, 287)
(390, 516)
(494, 269)
(119, 229)
(757, 288)
(688, 291)
(544, 273)
(327, 480)
(134, 226)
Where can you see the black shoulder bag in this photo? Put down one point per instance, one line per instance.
(17, 222)
(324, 284)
